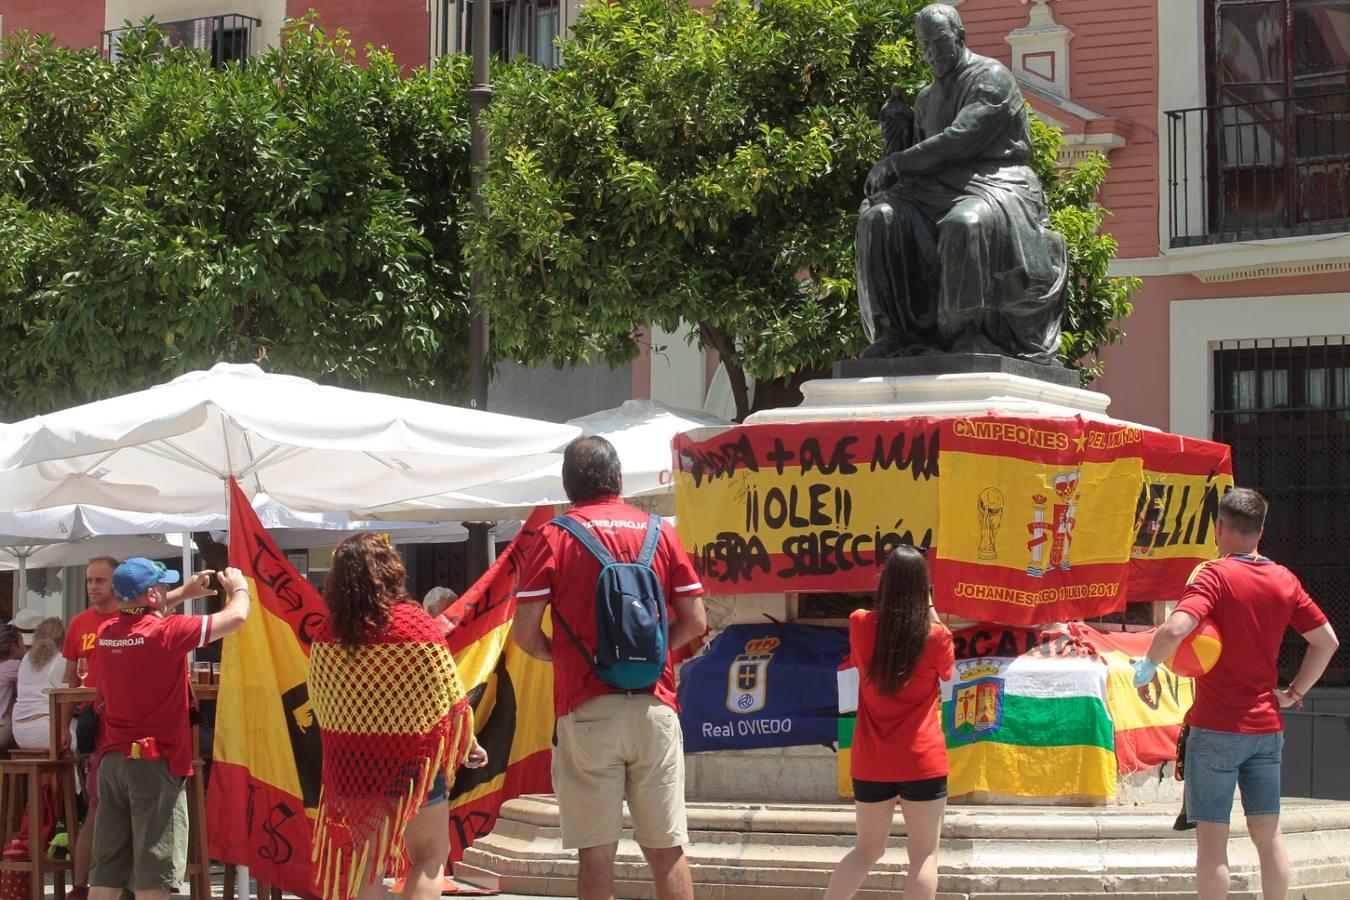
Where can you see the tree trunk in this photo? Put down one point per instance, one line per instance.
(726, 349)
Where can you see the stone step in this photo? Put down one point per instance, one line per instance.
(772, 851)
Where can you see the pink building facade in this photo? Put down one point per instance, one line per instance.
(1227, 125)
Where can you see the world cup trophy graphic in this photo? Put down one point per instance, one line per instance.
(991, 517)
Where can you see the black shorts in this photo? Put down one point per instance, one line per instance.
(914, 791)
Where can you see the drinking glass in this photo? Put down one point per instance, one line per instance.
(82, 669)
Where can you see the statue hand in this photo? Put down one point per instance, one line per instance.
(879, 179)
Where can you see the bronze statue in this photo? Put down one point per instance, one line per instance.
(954, 251)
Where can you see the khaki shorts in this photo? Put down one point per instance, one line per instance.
(141, 831)
(614, 747)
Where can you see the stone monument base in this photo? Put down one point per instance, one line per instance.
(779, 851)
(955, 364)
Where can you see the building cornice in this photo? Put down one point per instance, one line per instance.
(1241, 261)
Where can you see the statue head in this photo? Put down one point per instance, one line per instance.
(941, 37)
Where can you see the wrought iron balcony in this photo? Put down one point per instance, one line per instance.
(1262, 169)
(225, 38)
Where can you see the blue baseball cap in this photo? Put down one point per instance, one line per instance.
(137, 575)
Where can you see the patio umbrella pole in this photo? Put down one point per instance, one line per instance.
(480, 549)
(21, 585)
(198, 606)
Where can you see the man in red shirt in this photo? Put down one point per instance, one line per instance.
(79, 644)
(145, 738)
(611, 744)
(1237, 732)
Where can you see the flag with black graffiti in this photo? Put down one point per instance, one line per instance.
(267, 755)
(511, 693)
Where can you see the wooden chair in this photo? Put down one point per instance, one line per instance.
(199, 863)
(22, 781)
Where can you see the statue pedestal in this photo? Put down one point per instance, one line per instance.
(955, 364)
(938, 394)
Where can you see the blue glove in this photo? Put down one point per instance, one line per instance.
(1143, 671)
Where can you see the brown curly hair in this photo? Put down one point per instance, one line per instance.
(367, 578)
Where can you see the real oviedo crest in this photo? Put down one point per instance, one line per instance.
(748, 676)
(977, 701)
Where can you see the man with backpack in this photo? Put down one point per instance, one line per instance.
(623, 596)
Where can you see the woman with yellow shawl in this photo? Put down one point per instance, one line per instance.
(395, 724)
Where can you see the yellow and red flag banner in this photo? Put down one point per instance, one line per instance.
(1026, 521)
(1147, 720)
(511, 693)
(1175, 513)
(805, 507)
(267, 755)
(1036, 518)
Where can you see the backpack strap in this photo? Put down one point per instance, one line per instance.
(653, 538)
(596, 549)
(588, 540)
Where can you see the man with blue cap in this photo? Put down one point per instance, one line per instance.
(145, 738)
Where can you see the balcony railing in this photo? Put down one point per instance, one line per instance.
(1263, 169)
(225, 38)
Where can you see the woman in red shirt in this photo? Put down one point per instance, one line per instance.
(901, 652)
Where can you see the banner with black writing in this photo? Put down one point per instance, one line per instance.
(1024, 520)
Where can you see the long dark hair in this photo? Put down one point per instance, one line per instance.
(902, 620)
(367, 578)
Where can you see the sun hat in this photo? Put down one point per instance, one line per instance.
(137, 575)
(27, 620)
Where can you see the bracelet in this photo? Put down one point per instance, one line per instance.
(239, 591)
(1296, 695)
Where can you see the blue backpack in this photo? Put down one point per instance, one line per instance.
(630, 612)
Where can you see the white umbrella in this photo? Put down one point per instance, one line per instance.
(77, 553)
(171, 448)
(20, 557)
(641, 432)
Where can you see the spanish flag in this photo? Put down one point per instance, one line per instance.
(1037, 518)
(511, 693)
(268, 759)
(1146, 720)
(1175, 511)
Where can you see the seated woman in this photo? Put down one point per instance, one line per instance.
(11, 651)
(42, 669)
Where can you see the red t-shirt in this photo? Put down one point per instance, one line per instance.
(80, 639)
(561, 570)
(899, 738)
(144, 692)
(1251, 600)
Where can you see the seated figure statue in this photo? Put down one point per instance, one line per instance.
(954, 253)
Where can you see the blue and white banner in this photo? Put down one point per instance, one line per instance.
(763, 686)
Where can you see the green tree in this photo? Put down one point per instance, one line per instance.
(706, 166)
(158, 215)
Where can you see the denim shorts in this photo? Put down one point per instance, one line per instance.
(439, 792)
(1219, 761)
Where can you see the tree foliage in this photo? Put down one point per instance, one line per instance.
(158, 215)
(707, 166)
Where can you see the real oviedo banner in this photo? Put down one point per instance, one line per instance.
(1025, 521)
(759, 686)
